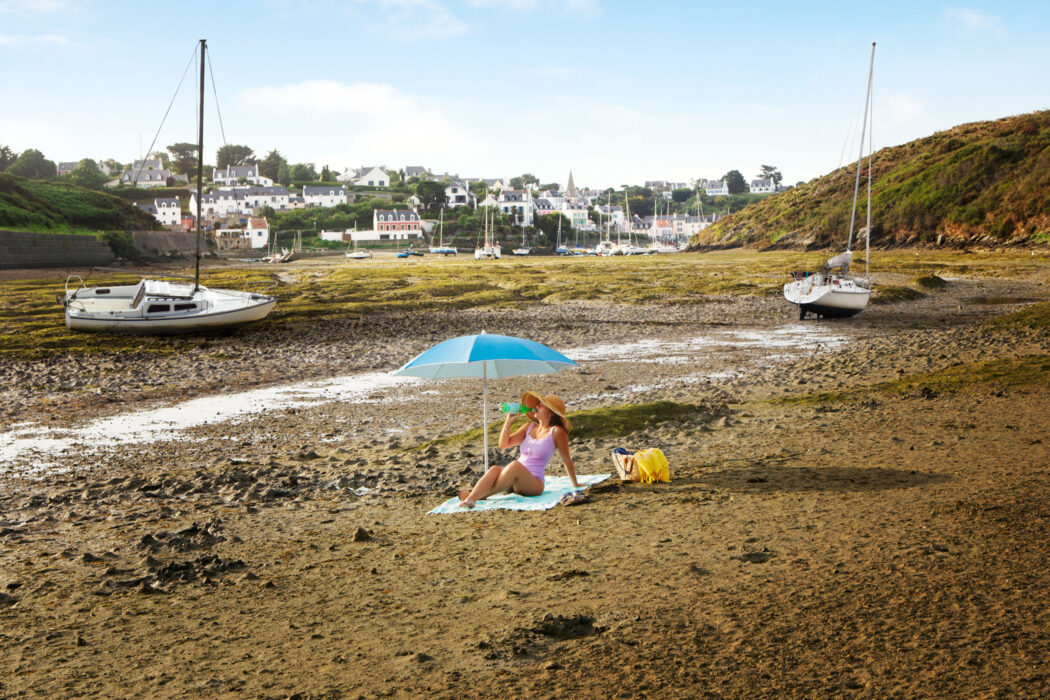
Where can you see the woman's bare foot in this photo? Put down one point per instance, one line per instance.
(466, 503)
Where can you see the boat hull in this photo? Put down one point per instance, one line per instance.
(127, 309)
(838, 298)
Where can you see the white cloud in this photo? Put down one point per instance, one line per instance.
(410, 20)
(585, 8)
(976, 20)
(18, 41)
(32, 7)
(343, 124)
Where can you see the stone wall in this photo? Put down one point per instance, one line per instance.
(160, 244)
(52, 250)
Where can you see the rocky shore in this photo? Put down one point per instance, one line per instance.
(888, 543)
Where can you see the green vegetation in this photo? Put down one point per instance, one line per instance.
(982, 183)
(53, 207)
(891, 294)
(32, 325)
(1036, 316)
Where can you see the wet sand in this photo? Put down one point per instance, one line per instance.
(889, 546)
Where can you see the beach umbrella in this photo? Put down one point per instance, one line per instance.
(485, 355)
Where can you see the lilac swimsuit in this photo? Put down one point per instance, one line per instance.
(536, 453)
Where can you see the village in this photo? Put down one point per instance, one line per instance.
(234, 206)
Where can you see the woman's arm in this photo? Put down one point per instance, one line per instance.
(561, 441)
(508, 439)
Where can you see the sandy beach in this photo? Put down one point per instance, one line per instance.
(857, 508)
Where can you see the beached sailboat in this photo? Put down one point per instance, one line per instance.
(156, 306)
(524, 249)
(488, 249)
(356, 254)
(441, 248)
(832, 291)
(559, 248)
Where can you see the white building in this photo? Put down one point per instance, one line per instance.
(255, 235)
(234, 174)
(716, 188)
(168, 211)
(240, 200)
(763, 186)
(323, 195)
(365, 177)
(517, 204)
(457, 194)
(614, 213)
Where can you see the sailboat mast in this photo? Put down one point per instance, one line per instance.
(200, 171)
(871, 148)
(860, 155)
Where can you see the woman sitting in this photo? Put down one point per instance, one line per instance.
(547, 430)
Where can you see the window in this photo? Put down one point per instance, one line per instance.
(185, 307)
(158, 308)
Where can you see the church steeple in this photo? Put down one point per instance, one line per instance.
(570, 189)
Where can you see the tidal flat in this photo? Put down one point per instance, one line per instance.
(856, 506)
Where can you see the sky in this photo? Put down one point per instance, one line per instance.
(618, 92)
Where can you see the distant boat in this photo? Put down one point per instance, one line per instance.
(441, 248)
(560, 249)
(156, 306)
(832, 291)
(356, 254)
(488, 249)
(524, 249)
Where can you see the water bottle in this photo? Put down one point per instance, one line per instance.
(507, 407)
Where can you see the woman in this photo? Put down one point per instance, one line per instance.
(546, 432)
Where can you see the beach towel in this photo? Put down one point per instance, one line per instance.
(554, 487)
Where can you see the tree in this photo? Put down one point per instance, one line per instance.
(770, 172)
(270, 166)
(479, 189)
(165, 161)
(304, 171)
(183, 157)
(87, 175)
(431, 194)
(326, 174)
(284, 174)
(550, 186)
(735, 182)
(32, 163)
(7, 156)
(681, 195)
(231, 154)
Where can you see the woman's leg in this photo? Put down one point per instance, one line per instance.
(514, 477)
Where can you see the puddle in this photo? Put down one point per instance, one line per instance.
(34, 448)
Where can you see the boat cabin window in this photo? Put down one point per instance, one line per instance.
(101, 291)
(185, 307)
(158, 308)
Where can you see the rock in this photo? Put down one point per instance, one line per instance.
(361, 535)
(90, 558)
(6, 599)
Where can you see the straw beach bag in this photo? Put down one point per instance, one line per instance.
(645, 466)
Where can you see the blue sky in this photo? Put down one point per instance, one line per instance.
(618, 92)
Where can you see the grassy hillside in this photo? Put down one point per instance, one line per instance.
(986, 183)
(52, 207)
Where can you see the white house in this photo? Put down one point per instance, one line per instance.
(168, 211)
(233, 174)
(258, 232)
(366, 177)
(766, 186)
(240, 200)
(417, 171)
(614, 213)
(323, 195)
(255, 235)
(275, 197)
(457, 194)
(517, 204)
(716, 188)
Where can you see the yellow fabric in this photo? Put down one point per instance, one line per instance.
(652, 465)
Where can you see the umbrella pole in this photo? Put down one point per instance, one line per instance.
(485, 413)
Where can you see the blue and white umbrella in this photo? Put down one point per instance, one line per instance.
(485, 356)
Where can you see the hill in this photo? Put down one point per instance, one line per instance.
(985, 183)
(39, 206)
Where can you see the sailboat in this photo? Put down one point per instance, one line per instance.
(560, 249)
(832, 291)
(158, 306)
(441, 248)
(489, 249)
(357, 254)
(524, 249)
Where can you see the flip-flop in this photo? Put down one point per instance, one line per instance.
(574, 498)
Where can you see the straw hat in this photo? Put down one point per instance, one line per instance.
(553, 404)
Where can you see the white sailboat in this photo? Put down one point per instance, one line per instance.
(560, 249)
(441, 248)
(488, 249)
(356, 254)
(156, 306)
(524, 249)
(832, 291)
